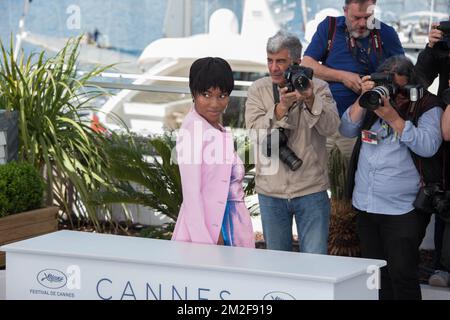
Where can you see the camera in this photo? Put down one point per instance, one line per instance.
(444, 26)
(432, 199)
(385, 87)
(285, 153)
(414, 92)
(298, 77)
(446, 96)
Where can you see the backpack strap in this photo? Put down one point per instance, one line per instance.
(431, 170)
(330, 37)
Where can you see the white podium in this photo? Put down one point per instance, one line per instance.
(78, 265)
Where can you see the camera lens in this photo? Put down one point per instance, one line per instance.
(372, 99)
(301, 83)
(285, 153)
(290, 159)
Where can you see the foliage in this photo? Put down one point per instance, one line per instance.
(343, 239)
(158, 232)
(21, 188)
(157, 181)
(49, 95)
(337, 168)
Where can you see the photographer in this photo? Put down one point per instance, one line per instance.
(395, 125)
(304, 113)
(346, 47)
(432, 62)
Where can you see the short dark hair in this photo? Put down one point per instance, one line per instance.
(206, 73)
(402, 66)
(347, 2)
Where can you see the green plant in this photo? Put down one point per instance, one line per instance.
(155, 183)
(158, 232)
(50, 95)
(343, 239)
(337, 168)
(21, 188)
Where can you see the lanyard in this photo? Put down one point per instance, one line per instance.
(362, 55)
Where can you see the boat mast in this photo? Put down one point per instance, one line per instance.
(21, 33)
(305, 14)
(177, 22)
(431, 15)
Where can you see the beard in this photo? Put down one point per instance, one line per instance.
(358, 35)
(355, 34)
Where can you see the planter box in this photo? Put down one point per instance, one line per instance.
(26, 225)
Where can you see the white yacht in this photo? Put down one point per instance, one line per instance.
(152, 112)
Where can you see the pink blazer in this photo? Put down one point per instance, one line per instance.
(205, 158)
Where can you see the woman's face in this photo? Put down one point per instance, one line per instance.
(211, 104)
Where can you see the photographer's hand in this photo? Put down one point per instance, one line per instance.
(356, 111)
(391, 116)
(307, 96)
(367, 84)
(435, 35)
(352, 81)
(287, 99)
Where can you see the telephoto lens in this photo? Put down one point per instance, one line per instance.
(385, 87)
(298, 78)
(285, 154)
(373, 99)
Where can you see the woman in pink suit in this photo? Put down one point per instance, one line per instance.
(213, 209)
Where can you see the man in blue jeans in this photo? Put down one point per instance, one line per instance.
(306, 117)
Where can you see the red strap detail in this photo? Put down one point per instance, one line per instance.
(376, 43)
(330, 45)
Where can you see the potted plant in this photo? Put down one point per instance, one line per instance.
(50, 97)
(21, 202)
(343, 239)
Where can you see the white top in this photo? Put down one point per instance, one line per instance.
(299, 266)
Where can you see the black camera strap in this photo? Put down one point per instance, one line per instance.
(276, 94)
(432, 170)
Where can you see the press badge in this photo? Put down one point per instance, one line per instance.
(369, 137)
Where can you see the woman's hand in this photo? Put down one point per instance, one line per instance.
(306, 96)
(367, 84)
(391, 116)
